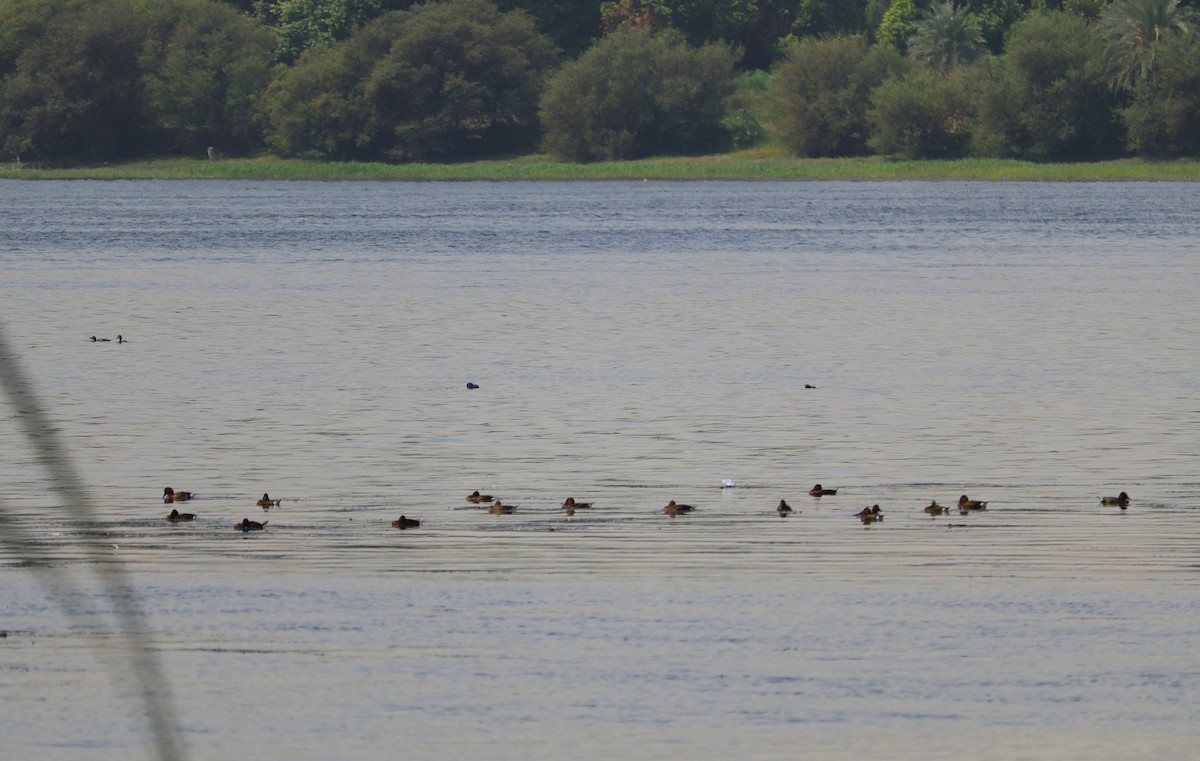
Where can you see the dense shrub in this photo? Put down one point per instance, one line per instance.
(1164, 118)
(102, 80)
(820, 94)
(442, 81)
(205, 68)
(637, 93)
(1046, 98)
(920, 116)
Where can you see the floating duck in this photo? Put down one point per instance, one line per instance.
(477, 498)
(817, 491)
(870, 514)
(403, 523)
(100, 340)
(496, 508)
(121, 340)
(1121, 500)
(570, 503)
(673, 509)
(965, 504)
(170, 495)
(784, 509)
(248, 525)
(728, 483)
(177, 516)
(934, 508)
(267, 502)
(472, 386)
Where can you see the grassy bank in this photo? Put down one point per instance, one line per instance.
(746, 165)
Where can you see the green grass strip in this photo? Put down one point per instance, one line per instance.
(757, 164)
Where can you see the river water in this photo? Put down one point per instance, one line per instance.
(1029, 344)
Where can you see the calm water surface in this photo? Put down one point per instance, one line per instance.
(1029, 344)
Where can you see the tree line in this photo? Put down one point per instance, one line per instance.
(449, 80)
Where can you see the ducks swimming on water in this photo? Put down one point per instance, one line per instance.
(496, 508)
(403, 523)
(1121, 500)
(245, 524)
(784, 509)
(476, 498)
(571, 504)
(965, 504)
(934, 508)
(267, 502)
(170, 495)
(817, 491)
(870, 514)
(176, 516)
(672, 509)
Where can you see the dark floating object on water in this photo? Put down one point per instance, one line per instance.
(570, 503)
(965, 504)
(783, 509)
(403, 523)
(170, 495)
(497, 508)
(809, 385)
(870, 514)
(266, 501)
(817, 491)
(476, 498)
(248, 525)
(177, 516)
(673, 509)
(100, 340)
(471, 386)
(1121, 500)
(934, 508)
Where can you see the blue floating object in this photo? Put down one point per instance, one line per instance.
(471, 386)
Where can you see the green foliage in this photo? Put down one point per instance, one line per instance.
(820, 17)
(1046, 98)
(442, 81)
(947, 36)
(743, 118)
(754, 26)
(1132, 30)
(898, 24)
(996, 17)
(638, 94)
(302, 25)
(820, 94)
(922, 115)
(1089, 9)
(205, 68)
(572, 25)
(70, 81)
(1164, 119)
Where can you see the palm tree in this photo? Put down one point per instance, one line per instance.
(946, 37)
(1132, 28)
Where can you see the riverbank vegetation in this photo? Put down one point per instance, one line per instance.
(449, 89)
(754, 164)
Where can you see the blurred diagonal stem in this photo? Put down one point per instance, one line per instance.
(141, 659)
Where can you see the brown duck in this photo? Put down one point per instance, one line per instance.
(672, 509)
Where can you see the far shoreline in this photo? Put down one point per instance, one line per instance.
(749, 165)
